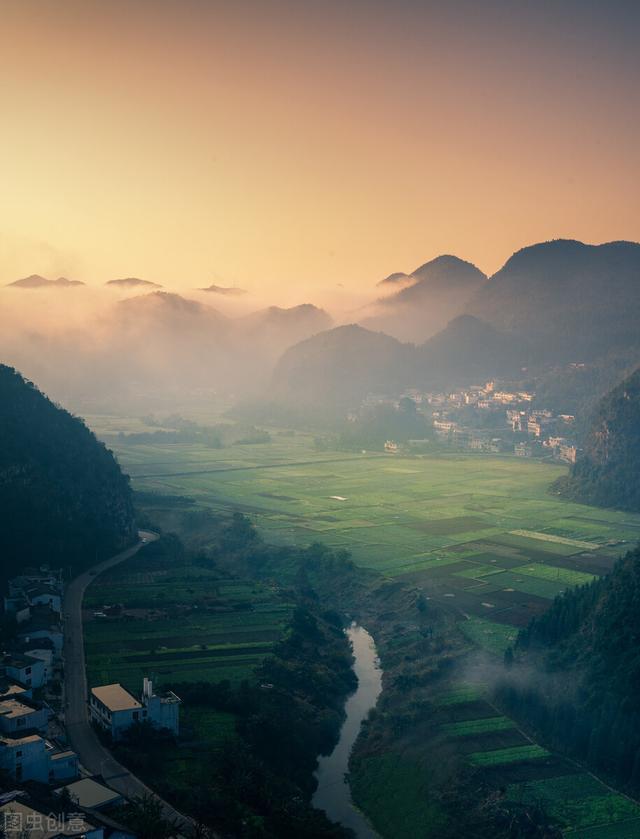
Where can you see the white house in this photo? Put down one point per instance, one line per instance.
(17, 716)
(31, 758)
(25, 758)
(25, 669)
(115, 709)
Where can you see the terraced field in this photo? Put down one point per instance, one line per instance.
(583, 806)
(178, 625)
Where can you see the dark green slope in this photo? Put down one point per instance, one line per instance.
(63, 499)
(576, 673)
(609, 472)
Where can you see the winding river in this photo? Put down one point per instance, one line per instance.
(333, 794)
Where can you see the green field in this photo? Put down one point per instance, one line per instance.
(484, 530)
(180, 624)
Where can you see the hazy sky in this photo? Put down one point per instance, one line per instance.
(292, 146)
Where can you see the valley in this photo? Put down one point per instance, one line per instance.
(479, 535)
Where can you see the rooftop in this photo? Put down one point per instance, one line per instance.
(115, 697)
(10, 742)
(89, 793)
(13, 708)
(39, 823)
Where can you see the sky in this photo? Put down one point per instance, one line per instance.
(305, 148)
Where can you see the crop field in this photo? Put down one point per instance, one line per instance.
(484, 532)
(178, 625)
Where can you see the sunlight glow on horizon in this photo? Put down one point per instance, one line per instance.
(293, 149)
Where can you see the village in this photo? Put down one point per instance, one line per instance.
(54, 795)
(488, 418)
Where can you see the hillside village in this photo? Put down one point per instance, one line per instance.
(34, 750)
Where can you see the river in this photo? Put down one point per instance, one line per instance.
(333, 794)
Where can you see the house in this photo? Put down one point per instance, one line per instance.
(19, 715)
(45, 595)
(568, 453)
(25, 669)
(20, 817)
(32, 758)
(42, 648)
(391, 447)
(63, 765)
(34, 588)
(43, 623)
(115, 709)
(8, 689)
(89, 793)
(25, 758)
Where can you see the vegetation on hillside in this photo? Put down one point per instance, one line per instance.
(63, 498)
(607, 474)
(575, 673)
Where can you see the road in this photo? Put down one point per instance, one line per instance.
(82, 738)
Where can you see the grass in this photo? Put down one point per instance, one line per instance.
(510, 755)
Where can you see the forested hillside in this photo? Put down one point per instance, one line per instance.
(63, 499)
(608, 473)
(575, 676)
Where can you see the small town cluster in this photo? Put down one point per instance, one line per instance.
(34, 750)
(490, 418)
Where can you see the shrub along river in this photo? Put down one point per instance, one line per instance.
(333, 794)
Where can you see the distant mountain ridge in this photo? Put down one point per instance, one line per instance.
(132, 282)
(36, 281)
(570, 299)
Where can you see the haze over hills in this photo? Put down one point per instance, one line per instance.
(437, 292)
(334, 370)
(36, 281)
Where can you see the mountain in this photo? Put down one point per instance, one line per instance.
(570, 300)
(439, 291)
(36, 281)
(274, 329)
(63, 498)
(333, 371)
(395, 280)
(228, 290)
(470, 350)
(132, 282)
(575, 675)
(608, 473)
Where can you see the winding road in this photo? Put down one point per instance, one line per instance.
(95, 758)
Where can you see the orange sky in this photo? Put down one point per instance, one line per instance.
(290, 147)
